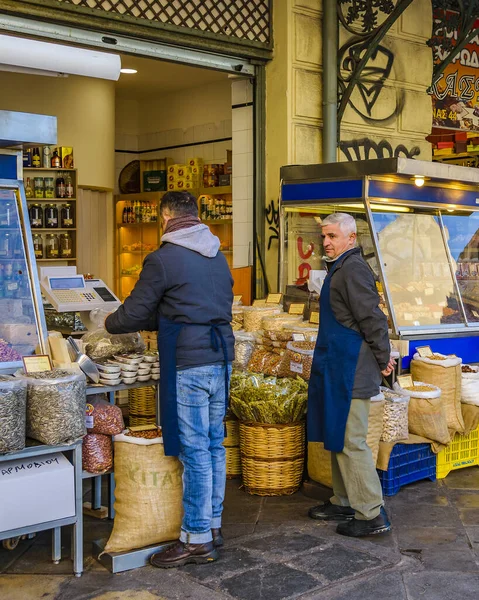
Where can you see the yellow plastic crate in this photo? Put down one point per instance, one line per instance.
(462, 452)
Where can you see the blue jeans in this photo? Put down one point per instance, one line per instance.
(201, 411)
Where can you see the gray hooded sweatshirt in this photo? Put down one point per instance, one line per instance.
(187, 280)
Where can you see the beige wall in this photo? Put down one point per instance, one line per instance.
(85, 109)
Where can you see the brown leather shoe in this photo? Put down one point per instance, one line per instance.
(184, 554)
(218, 539)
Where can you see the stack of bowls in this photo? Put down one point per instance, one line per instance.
(151, 361)
(129, 365)
(110, 374)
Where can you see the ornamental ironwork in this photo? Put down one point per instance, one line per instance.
(363, 14)
(242, 19)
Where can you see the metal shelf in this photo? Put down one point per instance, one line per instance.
(52, 229)
(55, 259)
(65, 200)
(39, 169)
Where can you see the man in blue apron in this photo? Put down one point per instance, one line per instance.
(351, 355)
(185, 291)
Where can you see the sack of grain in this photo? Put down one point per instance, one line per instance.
(148, 494)
(395, 421)
(445, 373)
(427, 413)
(470, 385)
(319, 459)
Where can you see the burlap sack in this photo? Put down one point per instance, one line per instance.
(427, 413)
(319, 459)
(148, 495)
(447, 376)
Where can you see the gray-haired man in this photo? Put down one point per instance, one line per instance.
(351, 353)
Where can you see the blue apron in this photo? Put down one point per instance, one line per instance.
(332, 374)
(168, 333)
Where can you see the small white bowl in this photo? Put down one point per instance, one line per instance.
(155, 365)
(144, 378)
(155, 376)
(108, 368)
(110, 376)
(150, 359)
(129, 380)
(129, 360)
(110, 382)
(155, 371)
(129, 368)
(144, 371)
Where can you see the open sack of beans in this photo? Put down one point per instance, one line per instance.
(395, 421)
(427, 412)
(148, 492)
(103, 417)
(470, 385)
(445, 373)
(13, 410)
(319, 459)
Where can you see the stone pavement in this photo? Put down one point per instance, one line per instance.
(274, 552)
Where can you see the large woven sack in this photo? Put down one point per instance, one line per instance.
(427, 413)
(319, 459)
(148, 494)
(470, 387)
(447, 376)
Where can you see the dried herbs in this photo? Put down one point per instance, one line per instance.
(56, 403)
(100, 344)
(13, 402)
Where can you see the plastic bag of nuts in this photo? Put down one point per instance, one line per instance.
(395, 417)
(106, 418)
(297, 360)
(253, 316)
(97, 453)
(244, 346)
(258, 359)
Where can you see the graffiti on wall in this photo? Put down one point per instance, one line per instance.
(365, 149)
(272, 219)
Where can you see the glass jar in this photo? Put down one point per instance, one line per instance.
(66, 246)
(38, 245)
(39, 187)
(51, 216)
(36, 215)
(66, 216)
(6, 245)
(49, 187)
(52, 245)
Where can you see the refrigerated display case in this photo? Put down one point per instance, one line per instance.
(418, 229)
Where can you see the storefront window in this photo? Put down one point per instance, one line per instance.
(416, 268)
(462, 234)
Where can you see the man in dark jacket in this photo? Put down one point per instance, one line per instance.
(351, 355)
(185, 291)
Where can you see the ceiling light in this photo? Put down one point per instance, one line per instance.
(419, 180)
(128, 71)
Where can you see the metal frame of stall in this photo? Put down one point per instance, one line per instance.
(391, 181)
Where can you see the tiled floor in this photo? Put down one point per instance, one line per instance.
(275, 552)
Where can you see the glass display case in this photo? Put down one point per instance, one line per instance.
(418, 229)
(22, 322)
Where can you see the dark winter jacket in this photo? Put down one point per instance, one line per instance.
(187, 280)
(355, 304)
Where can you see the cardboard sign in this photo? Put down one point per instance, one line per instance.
(237, 299)
(142, 428)
(296, 309)
(274, 298)
(424, 351)
(314, 318)
(37, 363)
(259, 302)
(405, 381)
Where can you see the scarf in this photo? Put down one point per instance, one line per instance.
(177, 223)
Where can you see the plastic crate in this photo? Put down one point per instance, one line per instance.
(462, 452)
(408, 463)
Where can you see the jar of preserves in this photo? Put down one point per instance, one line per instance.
(39, 187)
(38, 245)
(51, 216)
(49, 187)
(66, 245)
(36, 215)
(52, 245)
(66, 216)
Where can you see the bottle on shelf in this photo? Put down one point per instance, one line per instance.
(66, 245)
(38, 245)
(47, 157)
(36, 216)
(124, 215)
(66, 216)
(49, 188)
(68, 186)
(36, 158)
(56, 161)
(28, 189)
(51, 216)
(60, 186)
(52, 245)
(132, 213)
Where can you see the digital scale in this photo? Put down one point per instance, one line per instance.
(67, 291)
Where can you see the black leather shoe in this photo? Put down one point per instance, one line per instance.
(218, 539)
(356, 528)
(331, 512)
(181, 554)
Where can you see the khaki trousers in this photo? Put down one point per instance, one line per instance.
(355, 480)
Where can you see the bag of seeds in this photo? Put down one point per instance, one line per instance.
(427, 413)
(445, 373)
(297, 360)
(395, 420)
(56, 404)
(244, 346)
(97, 453)
(253, 315)
(100, 344)
(13, 407)
(105, 418)
(470, 385)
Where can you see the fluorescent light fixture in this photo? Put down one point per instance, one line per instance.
(389, 208)
(128, 71)
(17, 54)
(26, 71)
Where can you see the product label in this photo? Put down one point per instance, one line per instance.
(424, 351)
(89, 420)
(298, 337)
(314, 318)
(67, 222)
(49, 193)
(237, 299)
(405, 381)
(53, 253)
(66, 252)
(38, 193)
(34, 364)
(296, 309)
(274, 298)
(295, 367)
(38, 254)
(259, 302)
(52, 221)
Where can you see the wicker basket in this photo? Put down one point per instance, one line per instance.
(142, 406)
(272, 458)
(233, 454)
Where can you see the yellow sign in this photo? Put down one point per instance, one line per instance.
(424, 351)
(274, 298)
(405, 381)
(237, 299)
(259, 302)
(142, 428)
(314, 318)
(296, 309)
(37, 363)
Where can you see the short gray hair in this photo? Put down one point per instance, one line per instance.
(346, 222)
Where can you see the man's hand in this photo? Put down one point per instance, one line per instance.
(390, 368)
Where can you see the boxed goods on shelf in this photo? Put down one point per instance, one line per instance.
(408, 463)
(462, 452)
